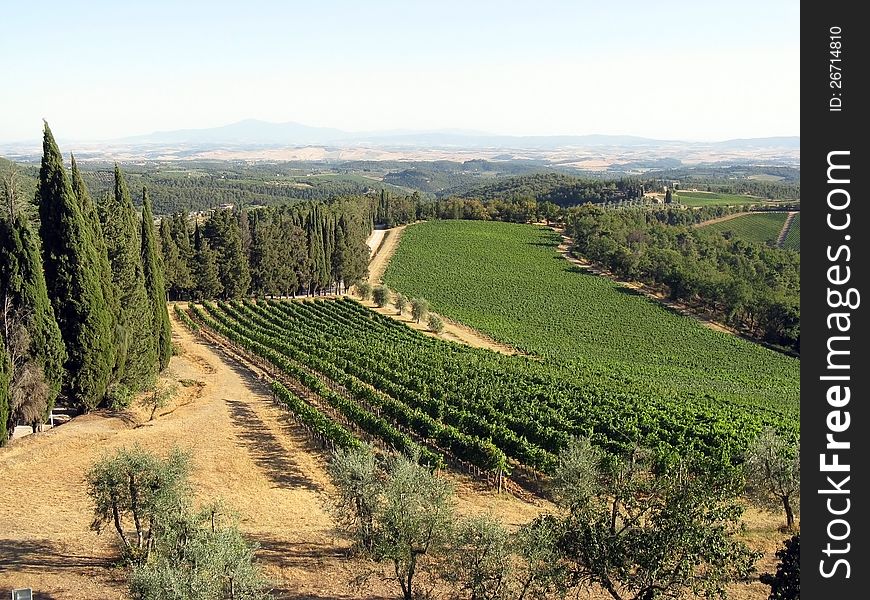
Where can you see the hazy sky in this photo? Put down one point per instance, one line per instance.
(669, 69)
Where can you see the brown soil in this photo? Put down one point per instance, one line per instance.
(719, 219)
(246, 451)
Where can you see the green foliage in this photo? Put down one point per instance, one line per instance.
(381, 295)
(200, 556)
(74, 280)
(478, 561)
(792, 239)
(205, 269)
(649, 529)
(508, 281)
(223, 235)
(762, 228)
(403, 512)
(135, 493)
(155, 286)
(364, 290)
(400, 301)
(687, 198)
(435, 324)
(137, 360)
(540, 573)
(419, 308)
(773, 473)
(24, 295)
(185, 318)
(786, 583)
(159, 397)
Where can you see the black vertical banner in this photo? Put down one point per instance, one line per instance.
(834, 263)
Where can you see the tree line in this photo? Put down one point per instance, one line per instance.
(306, 248)
(749, 286)
(83, 304)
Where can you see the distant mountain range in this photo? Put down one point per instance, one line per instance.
(255, 132)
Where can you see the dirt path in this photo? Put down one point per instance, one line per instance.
(246, 451)
(780, 239)
(383, 247)
(719, 219)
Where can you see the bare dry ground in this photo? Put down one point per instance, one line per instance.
(246, 451)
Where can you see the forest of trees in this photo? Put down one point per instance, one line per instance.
(305, 248)
(752, 287)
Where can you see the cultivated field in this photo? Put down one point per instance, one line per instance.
(715, 199)
(763, 228)
(792, 239)
(508, 281)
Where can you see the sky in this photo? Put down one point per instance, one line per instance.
(690, 70)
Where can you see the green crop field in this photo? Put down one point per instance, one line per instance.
(715, 199)
(508, 281)
(762, 228)
(370, 377)
(793, 237)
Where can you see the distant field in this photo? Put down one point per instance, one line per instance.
(763, 228)
(715, 199)
(508, 281)
(793, 237)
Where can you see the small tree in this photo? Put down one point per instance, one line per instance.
(403, 512)
(540, 573)
(642, 529)
(364, 290)
(200, 556)
(773, 474)
(478, 561)
(137, 488)
(381, 295)
(786, 584)
(435, 323)
(400, 301)
(419, 309)
(159, 397)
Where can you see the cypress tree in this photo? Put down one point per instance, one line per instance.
(72, 277)
(222, 232)
(155, 286)
(205, 269)
(122, 232)
(23, 291)
(182, 271)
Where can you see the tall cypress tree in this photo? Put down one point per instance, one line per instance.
(23, 292)
(222, 232)
(122, 232)
(72, 277)
(154, 284)
(205, 269)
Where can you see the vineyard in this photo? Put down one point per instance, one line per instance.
(348, 372)
(508, 281)
(792, 239)
(714, 199)
(762, 228)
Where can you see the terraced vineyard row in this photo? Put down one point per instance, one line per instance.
(762, 228)
(792, 239)
(714, 199)
(422, 394)
(509, 282)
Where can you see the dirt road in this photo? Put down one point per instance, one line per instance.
(383, 243)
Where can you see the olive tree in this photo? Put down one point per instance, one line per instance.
(402, 512)
(132, 492)
(400, 301)
(478, 561)
(159, 397)
(381, 295)
(642, 528)
(364, 290)
(436, 325)
(419, 309)
(773, 474)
